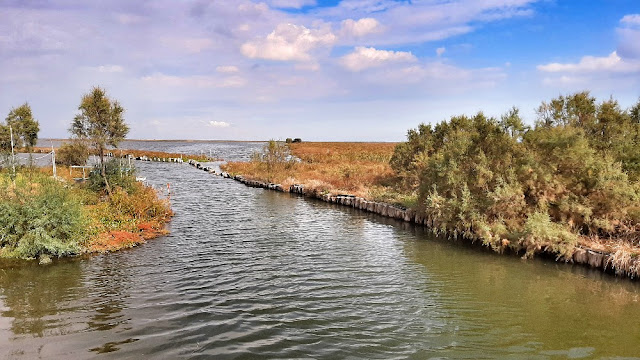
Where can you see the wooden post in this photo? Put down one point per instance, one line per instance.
(13, 155)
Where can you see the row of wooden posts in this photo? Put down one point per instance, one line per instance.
(589, 257)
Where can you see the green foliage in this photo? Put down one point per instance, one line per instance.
(275, 156)
(608, 129)
(498, 181)
(539, 231)
(25, 127)
(38, 217)
(117, 175)
(100, 122)
(5, 139)
(74, 153)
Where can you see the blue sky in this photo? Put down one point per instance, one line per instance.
(364, 70)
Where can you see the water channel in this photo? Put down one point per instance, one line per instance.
(248, 273)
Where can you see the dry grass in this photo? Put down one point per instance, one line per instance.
(353, 168)
(138, 217)
(119, 239)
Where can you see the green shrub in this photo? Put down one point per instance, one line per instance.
(540, 232)
(574, 173)
(118, 176)
(40, 216)
(74, 153)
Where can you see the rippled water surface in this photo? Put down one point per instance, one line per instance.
(249, 273)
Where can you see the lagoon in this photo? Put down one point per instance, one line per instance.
(249, 273)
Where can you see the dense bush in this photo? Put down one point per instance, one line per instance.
(74, 153)
(499, 181)
(118, 175)
(39, 216)
(43, 216)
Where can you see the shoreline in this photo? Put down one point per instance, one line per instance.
(92, 223)
(582, 255)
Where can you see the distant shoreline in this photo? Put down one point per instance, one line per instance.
(236, 141)
(168, 140)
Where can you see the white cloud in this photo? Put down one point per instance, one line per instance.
(129, 19)
(244, 27)
(190, 45)
(232, 82)
(292, 4)
(219, 124)
(611, 63)
(288, 42)
(564, 81)
(368, 5)
(360, 28)
(629, 34)
(110, 68)
(363, 57)
(417, 21)
(197, 45)
(227, 69)
(440, 51)
(429, 72)
(309, 66)
(197, 81)
(631, 19)
(253, 9)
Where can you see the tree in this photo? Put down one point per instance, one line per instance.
(101, 123)
(5, 144)
(275, 156)
(74, 153)
(25, 127)
(5, 139)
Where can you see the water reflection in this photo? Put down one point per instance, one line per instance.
(34, 296)
(111, 280)
(531, 307)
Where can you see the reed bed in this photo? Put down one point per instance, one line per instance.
(352, 167)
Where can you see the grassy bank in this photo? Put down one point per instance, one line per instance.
(355, 168)
(42, 217)
(569, 182)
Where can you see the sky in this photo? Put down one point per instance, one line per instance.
(334, 70)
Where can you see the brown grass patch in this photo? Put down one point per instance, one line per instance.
(115, 240)
(119, 239)
(352, 167)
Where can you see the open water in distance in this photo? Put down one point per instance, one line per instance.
(249, 273)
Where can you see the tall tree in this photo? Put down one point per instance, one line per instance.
(101, 123)
(25, 127)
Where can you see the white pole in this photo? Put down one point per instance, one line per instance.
(53, 160)
(13, 155)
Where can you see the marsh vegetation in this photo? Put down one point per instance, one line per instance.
(569, 180)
